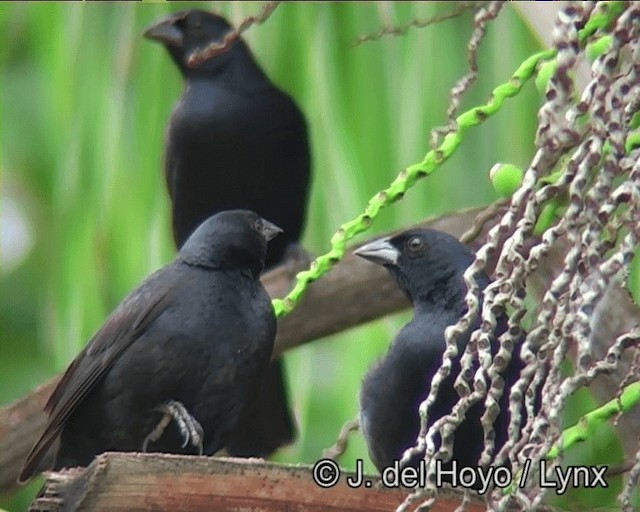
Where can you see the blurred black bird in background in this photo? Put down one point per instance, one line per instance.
(235, 140)
(428, 266)
(192, 343)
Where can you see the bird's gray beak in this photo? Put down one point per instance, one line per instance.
(166, 32)
(270, 230)
(379, 251)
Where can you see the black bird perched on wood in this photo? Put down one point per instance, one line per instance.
(428, 266)
(235, 141)
(192, 343)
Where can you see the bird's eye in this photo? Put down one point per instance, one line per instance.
(258, 225)
(181, 22)
(414, 244)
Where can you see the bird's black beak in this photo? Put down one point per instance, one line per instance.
(166, 32)
(270, 230)
(379, 251)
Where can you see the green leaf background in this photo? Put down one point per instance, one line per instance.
(85, 100)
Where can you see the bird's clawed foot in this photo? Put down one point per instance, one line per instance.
(189, 427)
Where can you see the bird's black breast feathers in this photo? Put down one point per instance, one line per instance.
(399, 382)
(231, 149)
(207, 345)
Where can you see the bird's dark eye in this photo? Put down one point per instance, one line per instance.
(258, 225)
(181, 22)
(415, 244)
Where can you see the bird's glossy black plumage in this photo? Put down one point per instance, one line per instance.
(428, 266)
(235, 140)
(198, 332)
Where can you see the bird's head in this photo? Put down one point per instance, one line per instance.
(231, 239)
(423, 262)
(186, 31)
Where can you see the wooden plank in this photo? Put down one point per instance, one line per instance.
(154, 482)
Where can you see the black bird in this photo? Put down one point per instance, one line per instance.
(428, 266)
(191, 343)
(235, 140)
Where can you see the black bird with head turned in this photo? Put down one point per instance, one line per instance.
(428, 266)
(235, 140)
(192, 343)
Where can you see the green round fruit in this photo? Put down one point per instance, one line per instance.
(506, 178)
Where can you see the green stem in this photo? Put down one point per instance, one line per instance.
(586, 426)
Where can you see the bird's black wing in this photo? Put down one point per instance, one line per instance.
(126, 324)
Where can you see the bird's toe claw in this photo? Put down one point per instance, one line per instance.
(189, 427)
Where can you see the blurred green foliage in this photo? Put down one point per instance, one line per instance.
(85, 101)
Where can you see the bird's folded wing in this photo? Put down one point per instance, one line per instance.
(126, 324)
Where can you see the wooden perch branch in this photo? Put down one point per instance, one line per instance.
(354, 292)
(150, 482)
